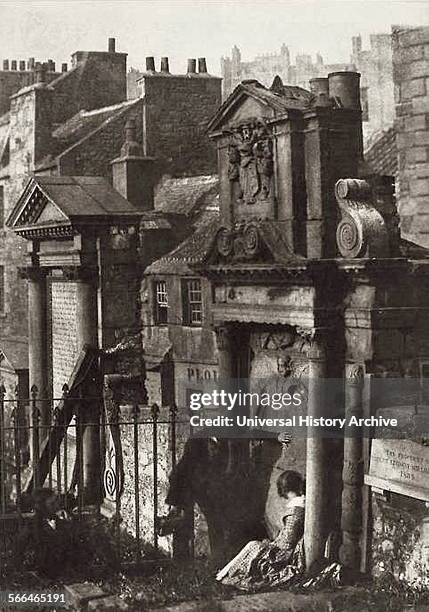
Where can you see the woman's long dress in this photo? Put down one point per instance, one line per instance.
(270, 563)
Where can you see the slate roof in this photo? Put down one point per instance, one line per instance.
(191, 251)
(381, 154)
(85, 122)
(185, 196)
(84, 195)
(77, 197)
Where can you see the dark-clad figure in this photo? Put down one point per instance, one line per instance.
(216, 474)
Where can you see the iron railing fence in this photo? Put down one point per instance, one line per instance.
(115, 463)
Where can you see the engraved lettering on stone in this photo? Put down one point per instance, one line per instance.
(64, 336)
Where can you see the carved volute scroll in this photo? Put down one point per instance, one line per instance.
(363, 230)
(250, 155)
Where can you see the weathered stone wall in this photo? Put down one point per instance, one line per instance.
(96, 79)
(177, 112)
(10, 82)
(411, 77)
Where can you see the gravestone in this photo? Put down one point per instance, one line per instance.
(400, 466)
(64, 333)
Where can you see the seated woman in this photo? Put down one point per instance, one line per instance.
(277, 562)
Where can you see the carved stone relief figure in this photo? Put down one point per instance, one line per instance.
(251, 160)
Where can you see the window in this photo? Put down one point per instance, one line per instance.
(192, 303)
(364, 103)
(2, 290)
(161, 303)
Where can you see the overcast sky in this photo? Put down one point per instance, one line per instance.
(181, 29)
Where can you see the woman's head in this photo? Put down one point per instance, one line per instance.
(290, 484)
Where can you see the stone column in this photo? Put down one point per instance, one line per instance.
(351, 516)
(37, 338)
(316, 468)
(87, 334)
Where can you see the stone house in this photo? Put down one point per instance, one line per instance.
(72, 124)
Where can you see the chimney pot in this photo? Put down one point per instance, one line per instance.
(64, 67)
(22, 64)
(31, 63)
(345, 86)
(13, 66)
(164, 64)
(150, 64)
(192, 66)
(202, 65)
(112, 45)
(5, 64)
(40, 70)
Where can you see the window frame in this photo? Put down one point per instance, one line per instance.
(160, 306)
(191, 303)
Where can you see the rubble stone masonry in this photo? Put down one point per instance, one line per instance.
(411, 78)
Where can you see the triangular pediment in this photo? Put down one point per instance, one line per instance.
(242, 104)
(252, 99)
(36, 208)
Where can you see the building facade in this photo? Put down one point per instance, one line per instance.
(305, 267)
(41, 135)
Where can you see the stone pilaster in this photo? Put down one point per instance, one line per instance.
(351, 516)
(37, 337)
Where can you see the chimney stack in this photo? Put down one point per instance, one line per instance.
(112, 45)
(202, 65)
(164, 64)
(22, 65)
(5, 64)
(13, 65)
(64, 67)
(132, 173)
(150, 64)
(31, 63)
(192, 66)
(51, 65)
